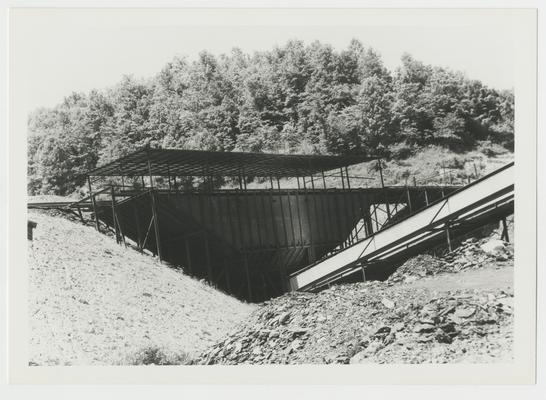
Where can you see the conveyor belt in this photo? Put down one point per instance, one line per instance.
(485, 200)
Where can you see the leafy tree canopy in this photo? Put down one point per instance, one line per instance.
(296, 98)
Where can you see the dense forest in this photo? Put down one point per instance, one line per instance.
(296, 98)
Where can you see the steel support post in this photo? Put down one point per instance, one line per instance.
(409, 200)
(282, 213)
(138, 229)
(448, 237)
(383, 187)
(188, 255)
(150, 173)
(94, 204)
(121, 231)
(368, 219)
(291, 218)
(209, 266)
(249, 286)
(228, 279)
(114, 218)
(80, 214)
(156, 224)
(504, 235)
(169, 177)
(323, 179)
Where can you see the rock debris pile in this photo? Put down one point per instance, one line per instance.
(471, 254)
(372, 322)
(402, 320)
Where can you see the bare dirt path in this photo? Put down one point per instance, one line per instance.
(489, 277)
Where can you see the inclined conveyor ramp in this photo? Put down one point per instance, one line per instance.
(486, 200)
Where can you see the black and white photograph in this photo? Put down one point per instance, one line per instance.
(246, 187)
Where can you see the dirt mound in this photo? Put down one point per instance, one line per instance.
(373, 322)
(92, 301)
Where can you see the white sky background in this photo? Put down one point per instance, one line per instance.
(79, 50)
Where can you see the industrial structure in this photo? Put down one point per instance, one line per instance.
(257, 225)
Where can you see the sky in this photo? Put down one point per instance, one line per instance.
(79, 50)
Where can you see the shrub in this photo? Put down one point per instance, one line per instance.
(455, 163)
(490, 149)
(155, 356)
(400, 151)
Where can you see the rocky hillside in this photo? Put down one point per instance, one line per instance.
(93, 302)
(457, 308)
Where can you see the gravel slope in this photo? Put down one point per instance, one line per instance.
(93, 302)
